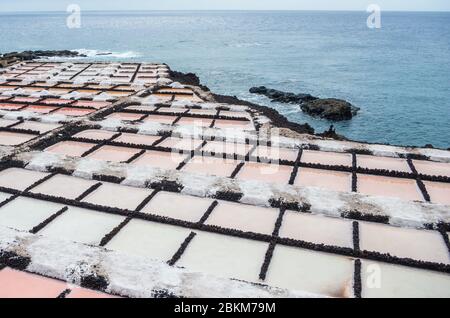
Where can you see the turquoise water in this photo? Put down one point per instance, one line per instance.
(398, 75)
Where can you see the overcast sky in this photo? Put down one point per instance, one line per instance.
(388, 5)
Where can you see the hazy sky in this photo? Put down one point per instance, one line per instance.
(60, 5)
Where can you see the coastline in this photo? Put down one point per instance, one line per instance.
(280, 120)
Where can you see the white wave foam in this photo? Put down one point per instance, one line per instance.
(98, 53)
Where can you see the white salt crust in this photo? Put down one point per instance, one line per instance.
(127, 275)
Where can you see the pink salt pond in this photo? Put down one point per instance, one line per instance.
(317, 229)
(25, 99)
(439, 192)
(64, 186)
(125, 116)
(186, 144)
(70, 148)
(246, 218)
(191, 121)
(275, 153)
(211, 166)
(95, 134)
(160, 159)
(236, 124)
(327, 158)
(96, 105)
(16, 284)
(405, 189)
(168, 205)
(75, 112)
(14, 139)
(265, 173)
(8, 106)
(432, 168)
(327, 179)
(41, 109)
(383, 163)
(113, 153)
(137, 139)
(56, 101)
(421, 245)
(20, 179)
(118, 196)
(231, 148)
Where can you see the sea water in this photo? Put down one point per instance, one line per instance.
(399, 75)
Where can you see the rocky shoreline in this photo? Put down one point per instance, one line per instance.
(327, 108)
(278, 119)
(8, 59)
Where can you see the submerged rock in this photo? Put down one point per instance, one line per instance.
(282, 97)
(330, 108)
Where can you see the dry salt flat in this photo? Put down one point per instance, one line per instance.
(117, 181)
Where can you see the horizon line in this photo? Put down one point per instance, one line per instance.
(225, 10)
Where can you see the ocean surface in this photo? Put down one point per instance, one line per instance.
(398, 75)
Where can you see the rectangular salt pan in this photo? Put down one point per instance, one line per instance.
(224, 256)
(70, 148)
(81, 225)
(20, 179)
(113, 153)
(421, 245)
(326, 179)
(384, 163)
(327, 158)
(118, 196)
(168, 205)
(265, 172)
(275, 153)
(381, 280)
(211, 166)
(13, 139)
(432, 168)
(159, 159)
(317, 229)
(64, 186)
(439, 192)
(137, 139)
(149, 239)
(186, 144)
(95, 134)
(311, 271)
(231, 148)
(404, 189)
(24, 214)
(244, 218)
